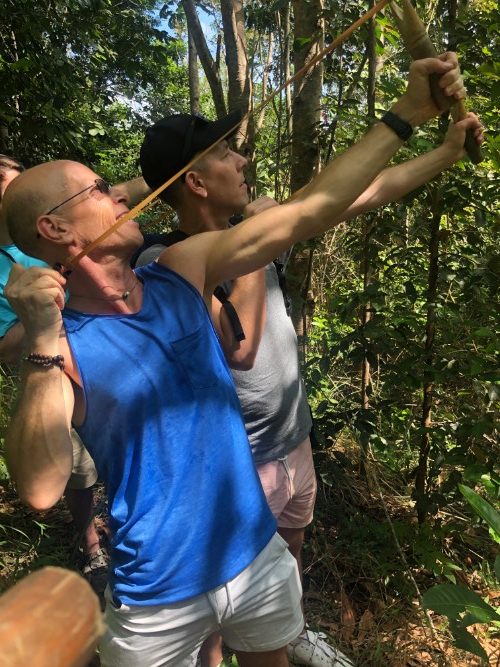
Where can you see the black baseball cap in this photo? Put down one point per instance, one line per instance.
(173, 141)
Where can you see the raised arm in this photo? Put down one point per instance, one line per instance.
(248, 297)
(394, 183)
(38, 445)
(321, 205)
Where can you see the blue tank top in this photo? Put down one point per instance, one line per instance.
(164, 427)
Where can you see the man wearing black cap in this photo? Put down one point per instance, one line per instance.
(134, 363)
(264, 360)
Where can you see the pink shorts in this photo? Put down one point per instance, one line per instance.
(290, 487)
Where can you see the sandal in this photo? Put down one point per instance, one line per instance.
(95, 570)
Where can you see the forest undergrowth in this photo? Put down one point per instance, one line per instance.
(360, 581)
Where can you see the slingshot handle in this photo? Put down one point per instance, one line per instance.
(419, 45)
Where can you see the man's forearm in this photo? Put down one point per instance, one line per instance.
(38, 445)
(394, 183)
(349, 175)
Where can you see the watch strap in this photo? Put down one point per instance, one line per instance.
(403, 129)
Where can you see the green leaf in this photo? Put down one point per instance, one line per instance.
(451, 600)
(4, 473)
(466, 641)
(497, 567)
(483, 332)
(473, 472)
(482, 508)
(299, 42)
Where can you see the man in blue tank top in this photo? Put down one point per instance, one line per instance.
(133, 361)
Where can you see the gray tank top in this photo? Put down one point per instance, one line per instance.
(272, 393)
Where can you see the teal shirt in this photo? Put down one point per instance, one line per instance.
(7, 315)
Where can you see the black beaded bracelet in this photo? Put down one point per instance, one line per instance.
(45, 361)
(403, 129)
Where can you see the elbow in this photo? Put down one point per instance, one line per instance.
(243, 362)
(39, 497)
(38, 501)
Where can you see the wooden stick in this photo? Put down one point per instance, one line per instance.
(419, 45)
(51, 618)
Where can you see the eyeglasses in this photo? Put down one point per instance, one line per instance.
(99, 185)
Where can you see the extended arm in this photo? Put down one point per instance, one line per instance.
(394, 183)
(321, 205)
(38, 445)
(218, 256)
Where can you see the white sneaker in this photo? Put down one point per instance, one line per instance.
(310, 648)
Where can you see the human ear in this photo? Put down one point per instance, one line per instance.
(196, 184)
(54, 229)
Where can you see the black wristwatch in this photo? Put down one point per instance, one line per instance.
(403, 129)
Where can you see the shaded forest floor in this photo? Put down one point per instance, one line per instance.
(357, 589)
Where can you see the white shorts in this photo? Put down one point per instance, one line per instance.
(259, 610)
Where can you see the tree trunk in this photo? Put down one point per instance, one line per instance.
(286, 72)
(239, 84)
(194, 79)
(372, 68)
(207, 62)
(437, 208)
(283, 109)
(430, 330)
(239, 81)
(265, 78)
(367, 268)
(305, 160)
(308, 41)
(366, 316)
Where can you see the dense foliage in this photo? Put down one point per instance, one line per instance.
(84, 77)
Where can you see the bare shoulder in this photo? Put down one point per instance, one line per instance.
(189, 257)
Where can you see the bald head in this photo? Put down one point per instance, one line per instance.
(32, 194)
